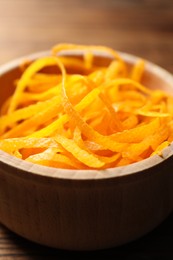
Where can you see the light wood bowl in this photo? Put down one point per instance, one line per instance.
(81, 209)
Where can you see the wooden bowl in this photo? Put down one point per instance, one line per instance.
(85, 209)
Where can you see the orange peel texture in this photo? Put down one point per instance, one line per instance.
(75, 112)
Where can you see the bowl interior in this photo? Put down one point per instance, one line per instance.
(154, 77)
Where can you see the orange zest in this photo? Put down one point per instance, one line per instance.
(83, 112)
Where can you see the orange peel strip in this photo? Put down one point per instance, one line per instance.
(32, 69)
(80, 154)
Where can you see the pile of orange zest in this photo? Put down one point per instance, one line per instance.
(83, 112)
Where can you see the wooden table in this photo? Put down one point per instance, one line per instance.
(143, 28)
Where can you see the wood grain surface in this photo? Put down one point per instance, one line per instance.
(143, 28)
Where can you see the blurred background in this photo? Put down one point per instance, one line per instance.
(140, 27)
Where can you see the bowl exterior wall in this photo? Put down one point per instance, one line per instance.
(86, 215)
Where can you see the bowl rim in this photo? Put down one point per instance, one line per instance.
(21, 166)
